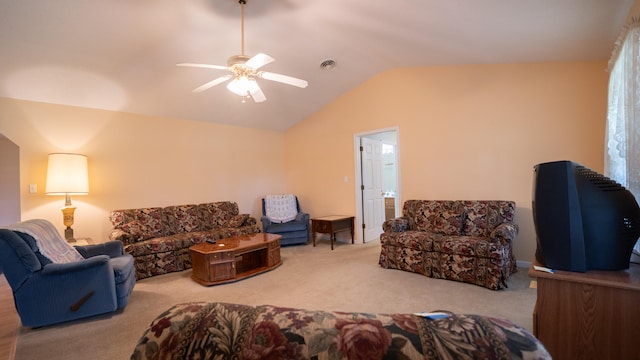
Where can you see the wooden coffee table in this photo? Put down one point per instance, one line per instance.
(234, 258)
(331, 225)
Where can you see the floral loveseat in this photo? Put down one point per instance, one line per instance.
(159, 237)
(231, 331)
(467, 241)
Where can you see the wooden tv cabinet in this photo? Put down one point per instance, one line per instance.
(234, 258)
(592, 315)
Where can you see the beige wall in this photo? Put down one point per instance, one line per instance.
(139, 161)
(465, 132)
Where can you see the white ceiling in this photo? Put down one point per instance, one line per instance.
(121, 54)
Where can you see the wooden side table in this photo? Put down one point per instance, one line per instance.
(331, 225)
(81, 241)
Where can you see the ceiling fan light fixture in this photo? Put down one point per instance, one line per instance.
(245, 86)
(240, 86)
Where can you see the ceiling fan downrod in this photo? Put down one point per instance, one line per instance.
(242, 4)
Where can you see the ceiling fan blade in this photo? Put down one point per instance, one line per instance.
(283, 79)
(259, 61)
(219, 67)
(257, 94)
(212, 83)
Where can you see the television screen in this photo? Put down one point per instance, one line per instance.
(583, 220)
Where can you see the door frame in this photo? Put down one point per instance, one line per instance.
(359, 232)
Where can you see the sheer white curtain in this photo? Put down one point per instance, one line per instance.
(622, 153)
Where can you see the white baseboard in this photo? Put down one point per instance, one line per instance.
(523, 264)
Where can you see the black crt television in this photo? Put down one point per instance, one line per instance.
(583, 220)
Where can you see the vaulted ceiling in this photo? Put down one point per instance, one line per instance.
(122, 55)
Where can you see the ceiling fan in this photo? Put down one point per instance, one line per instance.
(244, 71)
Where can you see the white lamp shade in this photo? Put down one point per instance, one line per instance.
(67, 174)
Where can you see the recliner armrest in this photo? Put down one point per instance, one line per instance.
(56, 269)
(302, 217)
(109, 248)
(504, 232)
(266, 222)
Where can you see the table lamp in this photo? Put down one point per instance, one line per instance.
(67, 175)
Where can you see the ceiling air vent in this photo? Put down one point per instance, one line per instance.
(328, 64)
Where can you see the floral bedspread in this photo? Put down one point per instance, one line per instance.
(202, 330)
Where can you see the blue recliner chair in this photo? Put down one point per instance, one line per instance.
(293, 232)
(46, 292)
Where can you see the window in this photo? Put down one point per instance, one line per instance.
(622, 142)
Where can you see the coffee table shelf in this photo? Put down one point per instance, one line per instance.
(234, 258)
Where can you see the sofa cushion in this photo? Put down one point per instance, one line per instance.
(151, 218)
(157, 264)
(137, 230)
(181, 219)
(482, 217)
(418, 240)
(217, 214)
(442, 217)
(156, 245)
(280, 229)
(474, 246)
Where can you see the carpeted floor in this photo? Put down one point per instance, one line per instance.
(346, 279)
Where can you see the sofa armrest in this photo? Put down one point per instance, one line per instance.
(504, 232)
(250, 221)
(109, 248)
(121, 235)
(396, 225)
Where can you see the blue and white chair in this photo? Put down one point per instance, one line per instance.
(281, 214)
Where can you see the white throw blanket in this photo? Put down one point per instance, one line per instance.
(49, 241)
(280, 208)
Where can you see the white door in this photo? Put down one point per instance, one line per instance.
(372, 196)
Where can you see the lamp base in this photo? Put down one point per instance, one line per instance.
(67, 216)
(68, 234)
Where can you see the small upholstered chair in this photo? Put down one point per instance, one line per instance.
(53, 282)
(281, 214)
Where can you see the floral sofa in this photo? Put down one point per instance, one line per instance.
(204, 330)
(159, 237)
(468, 241)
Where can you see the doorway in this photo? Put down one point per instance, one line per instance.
(377, 180)
(9, 182)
